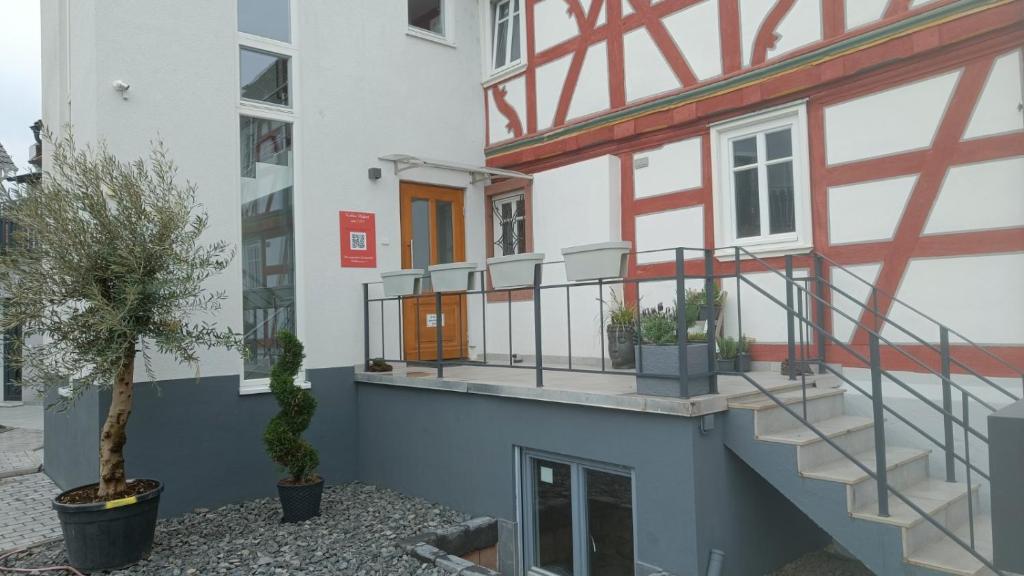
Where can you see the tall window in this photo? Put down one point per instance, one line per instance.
(762, 187)
(267, 196)
(506, 30)
(427, 15)
(268, 237)
(509, 224)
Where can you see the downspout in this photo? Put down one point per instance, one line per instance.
(716, 562)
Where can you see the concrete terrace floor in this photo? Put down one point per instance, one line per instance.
(608, 389)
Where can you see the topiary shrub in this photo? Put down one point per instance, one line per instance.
(283, 436)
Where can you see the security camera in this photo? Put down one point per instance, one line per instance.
(122, 87)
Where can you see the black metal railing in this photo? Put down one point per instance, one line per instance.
(808, 302)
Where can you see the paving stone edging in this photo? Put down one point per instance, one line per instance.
(443, 548)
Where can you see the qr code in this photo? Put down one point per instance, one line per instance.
(357, 240)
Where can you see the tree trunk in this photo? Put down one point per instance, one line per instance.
(114, 435)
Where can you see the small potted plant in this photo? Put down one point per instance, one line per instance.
(658, 355)
(621, 331)
(300, 493)
(727, 352)
(596, 261)
(743, 360)
(379, 365)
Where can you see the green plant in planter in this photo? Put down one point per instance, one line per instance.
(658, 325)
(283, 436)
(620, 314)
(728, 348)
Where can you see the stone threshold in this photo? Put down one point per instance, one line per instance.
(693, 407)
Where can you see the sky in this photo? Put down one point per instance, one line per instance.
(20, 80)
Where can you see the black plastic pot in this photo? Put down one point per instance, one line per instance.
(743, 362)
(622, 346)
(300, 502)
(109, 535)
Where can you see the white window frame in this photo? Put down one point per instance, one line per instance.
(290, 114)
(488, 14)
(446, 39)
(794, 116)
(507, 198)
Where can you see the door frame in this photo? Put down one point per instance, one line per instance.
(526, 499)
(408, 190)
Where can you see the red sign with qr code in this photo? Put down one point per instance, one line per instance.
(358, 240)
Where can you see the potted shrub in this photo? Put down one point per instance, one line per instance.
(595, 261)
(454, 277)
(658, 355)
(301, 492)
(514, 270)
(401, 282)
(621, 331)
(107, 265)
(727, 352)
(696, 299)
(743, 359)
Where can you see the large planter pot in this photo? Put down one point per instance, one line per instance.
(725, 364)
(658, 370)
(300, 502)
(622, 346)
(596, 261)
(108, 535)
(743, 363)
(401, 282)
(454, 277)
(513, 271)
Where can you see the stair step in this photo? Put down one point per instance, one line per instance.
(932, 496)
(802, 435)
(945, 555)
(846, 472)
(760, 401)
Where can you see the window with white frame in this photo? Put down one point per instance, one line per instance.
(427, 16)
(762, 182)
(509, 223)
(267, 120)
(506, 34)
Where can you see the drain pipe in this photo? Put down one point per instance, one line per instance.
(716, 562)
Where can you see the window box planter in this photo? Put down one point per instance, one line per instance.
(658, 370)
(454, 277)
(513, 271)
(401, 282)
(596, 261)
(726, 364)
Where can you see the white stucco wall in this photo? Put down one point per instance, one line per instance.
(364, 88)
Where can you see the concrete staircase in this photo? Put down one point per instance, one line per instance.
(843, 499)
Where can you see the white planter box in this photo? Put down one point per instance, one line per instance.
(513, 271)
(401, 282)
(594, 261)
(455, 277)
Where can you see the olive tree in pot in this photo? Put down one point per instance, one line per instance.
(302, 491)
(106, 267)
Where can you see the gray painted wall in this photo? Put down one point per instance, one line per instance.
(203, 440)
(1005, 432)
(692, 493)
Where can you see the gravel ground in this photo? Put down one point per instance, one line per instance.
(355, 535)
(825, 562)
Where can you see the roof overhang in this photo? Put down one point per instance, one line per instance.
(479, 174)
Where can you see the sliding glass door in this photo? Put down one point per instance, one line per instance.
(578, 518)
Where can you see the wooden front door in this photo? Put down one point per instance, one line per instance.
(433, 232)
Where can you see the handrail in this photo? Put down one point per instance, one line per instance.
(866, 361)
(987, 352)
(929, 345)
(874, 476)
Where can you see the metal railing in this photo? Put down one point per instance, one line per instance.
(808, 301)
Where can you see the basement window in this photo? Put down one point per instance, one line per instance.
(762, 181)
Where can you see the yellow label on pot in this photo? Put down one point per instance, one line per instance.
(121, 502)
